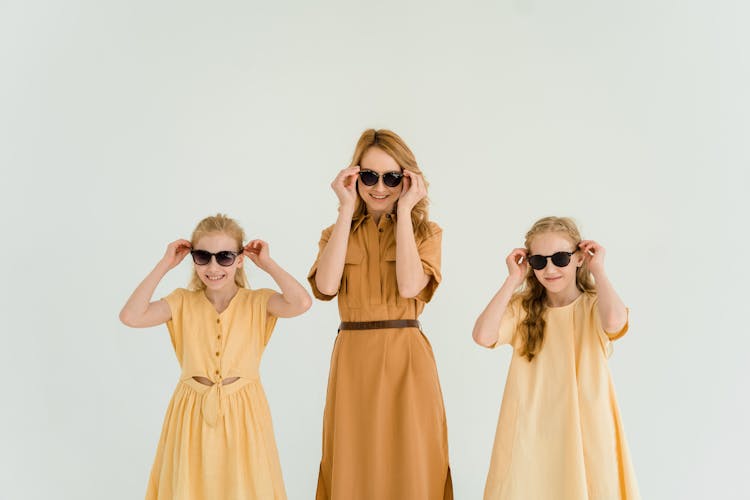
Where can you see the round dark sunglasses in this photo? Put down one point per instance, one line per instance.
(390, 179)
(560, 259)
(225, 258)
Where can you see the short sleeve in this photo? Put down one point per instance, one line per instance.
(262, 321)
(176, 302)
(606, 338)
(324, 237)
(509, 323)
(430, 249)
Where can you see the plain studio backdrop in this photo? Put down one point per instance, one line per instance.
(122, 124)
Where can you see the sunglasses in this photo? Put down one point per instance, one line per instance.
(560, 259)
(225, 258)
(390, 179)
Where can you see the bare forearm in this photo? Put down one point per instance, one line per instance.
(292, 292)
(487, 326)
(138, 303)
(612, 310)
(331, 265)
(410, 274)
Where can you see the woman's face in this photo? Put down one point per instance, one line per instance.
(379, 198)
(213, 275)
(556, 280)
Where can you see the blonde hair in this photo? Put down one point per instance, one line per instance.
(219, 223)
(532, 295)
(397, 149)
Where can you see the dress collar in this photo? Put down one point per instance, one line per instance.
(358, 221)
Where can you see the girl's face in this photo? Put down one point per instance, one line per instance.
(556, 280)
(214, 276)
(379, 198)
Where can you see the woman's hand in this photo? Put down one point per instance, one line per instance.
(176, 251)
(593, 255)
(345, 187)
(517, 266)
(258, 252)
(413, 190)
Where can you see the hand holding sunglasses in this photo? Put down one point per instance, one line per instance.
(259, 252)
(345, 187)
(176, 251)
(413, 191)
(518, 266)
(593, 254)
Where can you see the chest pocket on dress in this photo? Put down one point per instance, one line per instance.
(354, 275)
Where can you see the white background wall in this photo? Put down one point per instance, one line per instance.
(124, 123)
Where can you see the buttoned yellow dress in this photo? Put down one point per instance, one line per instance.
(384, 427)
(560, 435)
(217, 441)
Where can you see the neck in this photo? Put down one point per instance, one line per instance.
(563, 298)
(222, 296)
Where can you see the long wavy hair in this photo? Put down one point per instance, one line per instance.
(219, 223)
(533, 294)
(397, 149)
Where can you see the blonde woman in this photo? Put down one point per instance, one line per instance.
(217, 440)
(559, 434)
(384, 429)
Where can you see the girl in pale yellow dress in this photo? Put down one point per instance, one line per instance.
(217, 440)
(559, 435)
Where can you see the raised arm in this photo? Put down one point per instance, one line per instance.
(612, 311)
(293, 299)
(331, 263)
(487, 326)
(410, 275)
(139, 311)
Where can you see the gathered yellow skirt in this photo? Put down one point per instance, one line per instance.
(234, 457)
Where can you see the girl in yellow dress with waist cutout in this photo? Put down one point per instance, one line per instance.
(559, 435)
(217, 440)
(384, 429)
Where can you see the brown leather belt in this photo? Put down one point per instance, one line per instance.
(378, 325)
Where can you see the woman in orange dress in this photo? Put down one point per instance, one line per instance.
(384, 428)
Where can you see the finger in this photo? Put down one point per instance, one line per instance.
(344, 174)
(407, 182)
(350, 182)
(420, 183)
(250, 248)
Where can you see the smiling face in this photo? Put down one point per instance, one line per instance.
(556, 280)
(214, 276)
(379, 198)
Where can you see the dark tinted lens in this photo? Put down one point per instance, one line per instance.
(225, 258)
(561, 259)
(537, 262)
(392, 179)
(368, 178)
(201, 257)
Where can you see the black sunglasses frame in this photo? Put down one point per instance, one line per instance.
(398, 176)
(219, 257)
(559, 259)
